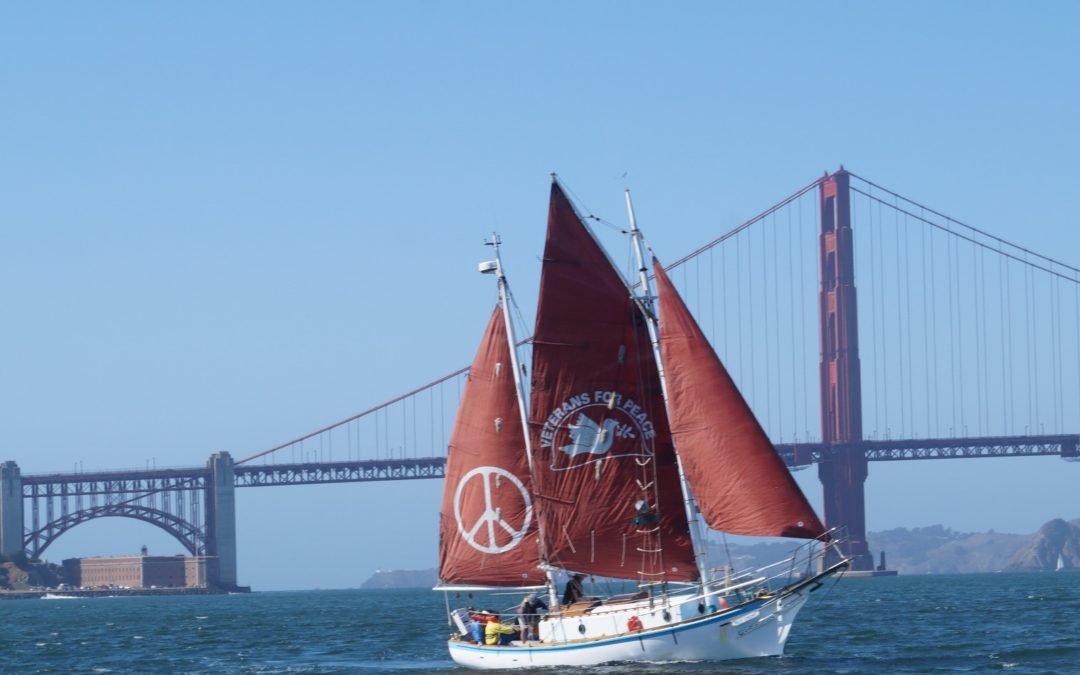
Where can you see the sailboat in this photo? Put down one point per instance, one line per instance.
(1060, 563)
(607, 460)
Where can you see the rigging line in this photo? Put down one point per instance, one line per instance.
(971, 228)
(987, 246)
(1076, 319)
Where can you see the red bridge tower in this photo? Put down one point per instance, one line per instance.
(844, 471)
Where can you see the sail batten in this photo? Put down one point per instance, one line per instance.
(740, 483)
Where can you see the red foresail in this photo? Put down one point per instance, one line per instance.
(741, 485)
(605, 474)
(487, 526)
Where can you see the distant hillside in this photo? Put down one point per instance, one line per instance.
(1056, 538)
(921, 550)
(939, 550)
(20, 574)
(401, 579)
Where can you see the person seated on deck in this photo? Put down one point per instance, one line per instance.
(528, 616)
(498, 633)
(575, 589)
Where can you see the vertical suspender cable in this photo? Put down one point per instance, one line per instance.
(871, 241)
(776, 312)
(884, 333)
(753, 341)
(763, 224)
(790, 268)
(738, 308)
(1029, 348)
(806, 349)
(907, 321)
(983, 386)
(924, 300)
(899, 262)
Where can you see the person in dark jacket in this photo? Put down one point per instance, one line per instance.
(575, 589)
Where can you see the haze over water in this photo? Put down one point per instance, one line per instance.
(1020, 623)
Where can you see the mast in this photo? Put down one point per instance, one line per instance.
(697, 538)
(495, 267)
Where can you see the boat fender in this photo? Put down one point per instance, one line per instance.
(666, 615)
(634, 623)
(724, 603)
(701, 608)
(581, 627)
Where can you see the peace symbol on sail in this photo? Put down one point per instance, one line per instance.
(484, 534)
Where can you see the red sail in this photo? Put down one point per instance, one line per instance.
(605, 474)
(740, 483)
(487, 525)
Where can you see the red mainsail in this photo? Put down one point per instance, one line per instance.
(741, 485)
(487, 525)
(605, 474)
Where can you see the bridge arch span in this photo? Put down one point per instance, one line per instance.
(192, 537)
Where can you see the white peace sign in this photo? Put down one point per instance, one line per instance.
(492, 514)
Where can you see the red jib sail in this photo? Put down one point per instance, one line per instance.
(740, 483)
(487, 525)
(605, 474)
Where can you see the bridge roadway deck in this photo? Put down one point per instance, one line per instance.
(263, 475)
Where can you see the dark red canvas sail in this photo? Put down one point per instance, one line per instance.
(741, 485)
(487, 525)
(604, 468)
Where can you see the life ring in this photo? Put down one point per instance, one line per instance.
(634, 624)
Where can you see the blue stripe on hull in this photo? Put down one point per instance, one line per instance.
(647, 634)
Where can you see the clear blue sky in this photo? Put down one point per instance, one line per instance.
(225, 225)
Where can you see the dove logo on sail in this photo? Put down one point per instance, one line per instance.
(590, 426)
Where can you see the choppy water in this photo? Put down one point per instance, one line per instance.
(1020, 623)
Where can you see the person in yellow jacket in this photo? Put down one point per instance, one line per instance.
(498, 633)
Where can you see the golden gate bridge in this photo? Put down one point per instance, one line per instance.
(861, 326)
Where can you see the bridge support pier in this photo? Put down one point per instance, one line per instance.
(843, 477)
(11, 509)
(845, 471)
(221, 518)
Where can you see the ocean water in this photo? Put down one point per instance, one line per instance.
(1017, 623)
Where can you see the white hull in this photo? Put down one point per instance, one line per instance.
(754, 629)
